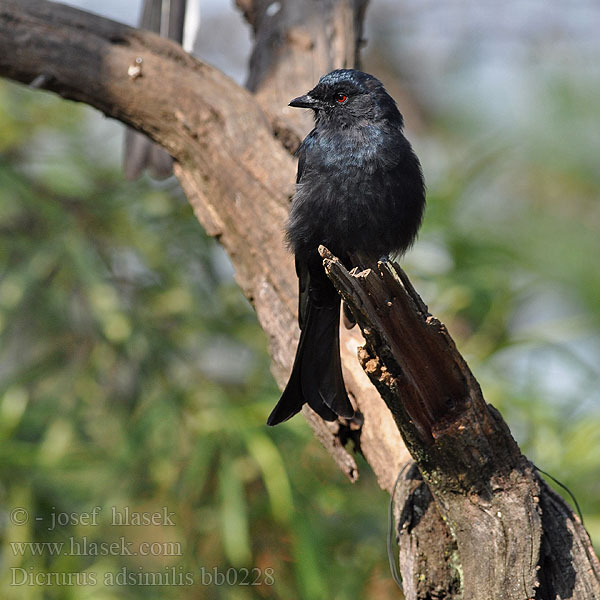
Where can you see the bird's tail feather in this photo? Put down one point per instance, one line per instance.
(317, 372)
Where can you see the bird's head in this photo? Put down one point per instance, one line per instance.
(346, 97)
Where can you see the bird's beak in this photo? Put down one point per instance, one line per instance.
(305, 101)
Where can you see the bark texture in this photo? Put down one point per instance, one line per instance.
(476, 521)
(483, 506)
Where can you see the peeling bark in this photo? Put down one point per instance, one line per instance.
(475, 520)
(485, 525)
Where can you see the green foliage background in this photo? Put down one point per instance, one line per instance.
(133, 372)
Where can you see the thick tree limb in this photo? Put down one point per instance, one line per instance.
(507, 531)
(479, 516)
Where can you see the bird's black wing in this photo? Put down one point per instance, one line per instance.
(316, 376)
(308, 141)
(301, 267)
(303, 287)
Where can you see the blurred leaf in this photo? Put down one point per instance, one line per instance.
(234, 520)
(276, 480)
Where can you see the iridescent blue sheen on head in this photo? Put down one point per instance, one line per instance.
(367, 98)
(361, 80)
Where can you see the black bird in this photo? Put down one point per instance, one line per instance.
(359, 190)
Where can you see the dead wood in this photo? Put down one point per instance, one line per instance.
(476, 522)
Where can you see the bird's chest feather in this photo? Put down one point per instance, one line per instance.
(355, 150)
(343, 170)
(340, 184)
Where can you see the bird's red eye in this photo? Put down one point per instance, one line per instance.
(341, 98)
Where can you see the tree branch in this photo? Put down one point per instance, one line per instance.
(232, 153)
(507, 531)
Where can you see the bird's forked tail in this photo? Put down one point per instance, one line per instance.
(316, 376)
